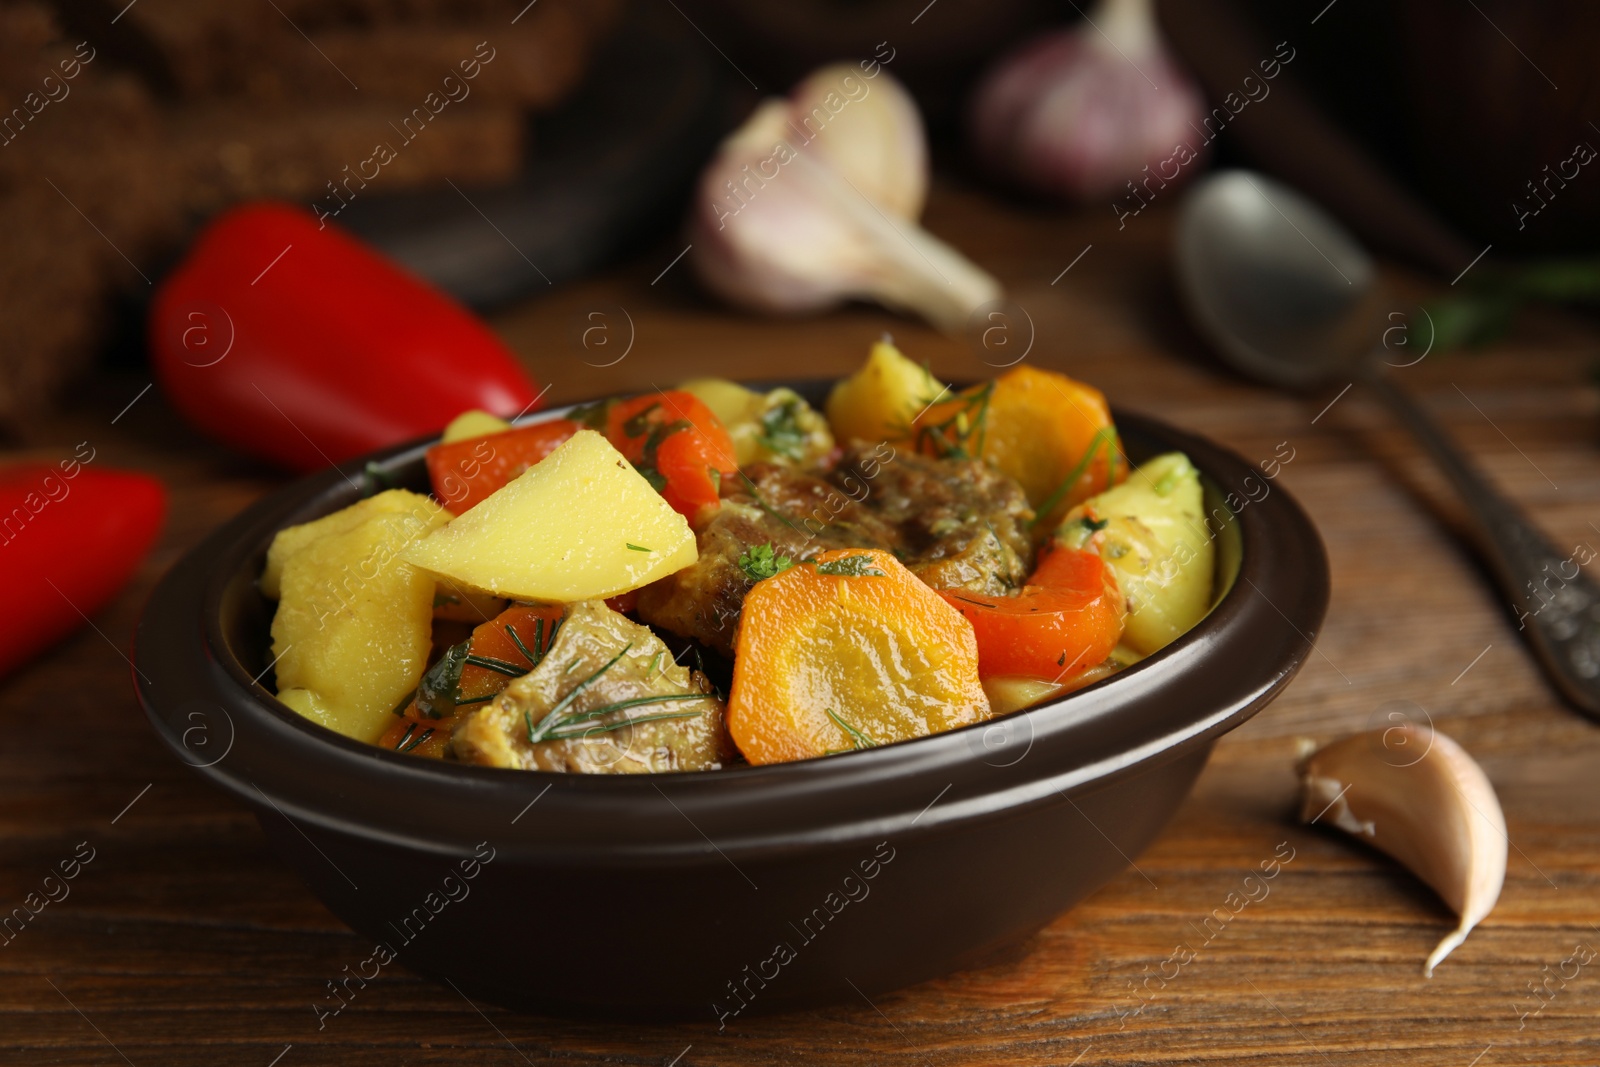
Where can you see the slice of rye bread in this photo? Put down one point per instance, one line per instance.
(220, 153)
(28, 37)
(84, 205)
(533, 64)
(199, 48)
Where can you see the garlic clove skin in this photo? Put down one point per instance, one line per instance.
(797, 213)
(1435, 813)
(879, 148)
(1080, 112)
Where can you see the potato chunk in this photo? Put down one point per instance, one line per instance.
(353, 628)
(473, 423)
(606, 699)
(581, 524)
(880, 401)
(1151, 530)
(776, 427)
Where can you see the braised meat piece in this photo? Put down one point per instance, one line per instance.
(606, 699)
(958, 523)
(798, 514)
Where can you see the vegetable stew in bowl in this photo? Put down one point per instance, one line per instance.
(993, 829)
(711, 575)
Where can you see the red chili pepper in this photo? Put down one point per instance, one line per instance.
(678, 443)
(71, 535)
(464, 472)
(1068, 617)
(293, 341)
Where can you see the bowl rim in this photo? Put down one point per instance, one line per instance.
(192, 684)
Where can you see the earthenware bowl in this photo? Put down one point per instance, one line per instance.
(744, 890)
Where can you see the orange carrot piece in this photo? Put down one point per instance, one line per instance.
(1052, 433)
(464, 472)
(1066, 620)
(534, 625)
(865, 655)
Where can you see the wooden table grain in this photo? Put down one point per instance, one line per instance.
(184, 941)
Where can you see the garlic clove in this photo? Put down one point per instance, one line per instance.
(813, 201)
(1080, 112)
(1436, 813)
(878, 148)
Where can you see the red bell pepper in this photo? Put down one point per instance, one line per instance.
(291, 340)
(71, 535)
(678, 443)
(1067, 618)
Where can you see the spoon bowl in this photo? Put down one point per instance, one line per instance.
(1288, 297)
(1279, 288)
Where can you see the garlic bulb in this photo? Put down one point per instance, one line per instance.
(1418, 796)
(1081, 112)
(814, 201)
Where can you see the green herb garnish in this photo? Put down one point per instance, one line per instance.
(1169, 481)
(578, 723)
(594, 416)
(1076, 534)
(440, 687)
(962, 434)
(781, 432)
(857, 738)
(759, 562)
(552, 718)
(1102, 436)
(637, 548)
(516, 639)
(499, 666)
(850, 567)
(403, 746)
(641, 423)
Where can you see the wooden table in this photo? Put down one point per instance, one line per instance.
(185, 941)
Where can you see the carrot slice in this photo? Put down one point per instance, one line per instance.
(677, 442)
(1052, 433)
(495, 658)
(849, 651)
(464, 472)
(1066, 620)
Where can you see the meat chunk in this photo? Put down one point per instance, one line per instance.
(958, 523)
(606, 699)
(798, 514)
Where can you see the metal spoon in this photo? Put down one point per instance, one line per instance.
(1287, 296)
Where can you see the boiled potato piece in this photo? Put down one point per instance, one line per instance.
(291, 540)
(775, 427)
(354, 623)
(581, 524)
(1151, 529)
(473, 423)
(1009, 694)
(728, 401)
(879, 401)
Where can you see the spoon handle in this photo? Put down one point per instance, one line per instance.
(1557, 606)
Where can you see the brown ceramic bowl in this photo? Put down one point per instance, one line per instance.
(736, 891)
